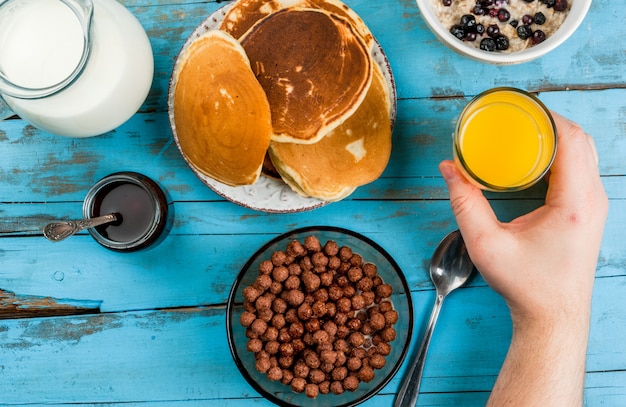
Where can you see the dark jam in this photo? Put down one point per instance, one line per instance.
(134, 207)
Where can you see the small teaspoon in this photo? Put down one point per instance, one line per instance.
(57, 231)
(450, 268)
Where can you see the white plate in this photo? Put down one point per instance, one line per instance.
(267, 194)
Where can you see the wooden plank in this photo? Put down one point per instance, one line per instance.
(199, 260)
(422, 65)
(39, 167)
(20, 306)
(174, 355)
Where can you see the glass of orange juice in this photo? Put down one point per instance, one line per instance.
(505, 140)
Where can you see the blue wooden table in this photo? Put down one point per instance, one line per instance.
(82, 325)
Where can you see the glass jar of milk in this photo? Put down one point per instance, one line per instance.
(75, 68)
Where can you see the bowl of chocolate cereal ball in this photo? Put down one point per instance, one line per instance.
(320, 316)
(503, 32)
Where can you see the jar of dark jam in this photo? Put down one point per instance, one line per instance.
(141, 208)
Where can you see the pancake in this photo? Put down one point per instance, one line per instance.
(243, 14)
(314, 80)
(221, 113)
(353, 154)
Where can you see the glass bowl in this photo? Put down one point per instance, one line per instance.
(387, 269)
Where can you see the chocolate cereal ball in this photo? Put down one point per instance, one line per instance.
(298, 384)
(311, 390)
(271, 334)
(312, 244)
(263, 282)
(391, 317)
(354, 363)
(388, 334)
(292, 282)
(287, 376)
(266, 267)
(259, 326)
(295, 249)
(324, 387)
(318, 318)
(334, 262)
(247, 318)
(351, 383)
(251, 293)
(366, 374)
(339, 373)
(331, 248)
(254, 345)
(278, 258)
(316, 376)
(384, 291)
(275, 373)
(345, 253)
(319, 259)
(383, 348)
(336, 387)
(377, 361)
(280, 273)
(377, 321)
(370, 270)
(263, 365)
(301, 369)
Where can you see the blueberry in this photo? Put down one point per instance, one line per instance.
(493, 30)
(538, 36)
(524, 32)
(529, 1)
(458, 31)
(488, 44)
(468, 20)
(470, 36)
(479, 10)
(504, 15)
(446, 3)
(548, 3)
(493, 12)
(560, 5)
(502, 42)
(514, 23)
(539, 18)
(527, 19)
(480, 29)
(486, 3)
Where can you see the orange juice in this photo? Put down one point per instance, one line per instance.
(505, 140)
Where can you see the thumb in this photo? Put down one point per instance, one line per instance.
(471, 209)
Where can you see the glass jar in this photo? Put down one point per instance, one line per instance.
(141, 206)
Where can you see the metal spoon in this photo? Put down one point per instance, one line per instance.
(450, 268)
(57, 231)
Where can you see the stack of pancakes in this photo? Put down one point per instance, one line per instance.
(288, 83)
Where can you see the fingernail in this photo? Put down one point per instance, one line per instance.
(448, 171)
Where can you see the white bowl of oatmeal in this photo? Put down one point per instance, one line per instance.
(503, 32)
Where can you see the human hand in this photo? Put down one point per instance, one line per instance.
(543, 263)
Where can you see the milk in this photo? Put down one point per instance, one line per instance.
(113, 85)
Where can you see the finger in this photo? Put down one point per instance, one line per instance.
(592, 144)
(471, 209)
(575, 168)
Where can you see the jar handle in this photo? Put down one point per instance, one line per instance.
(5, 110)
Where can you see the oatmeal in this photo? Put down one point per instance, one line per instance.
(502, 25)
